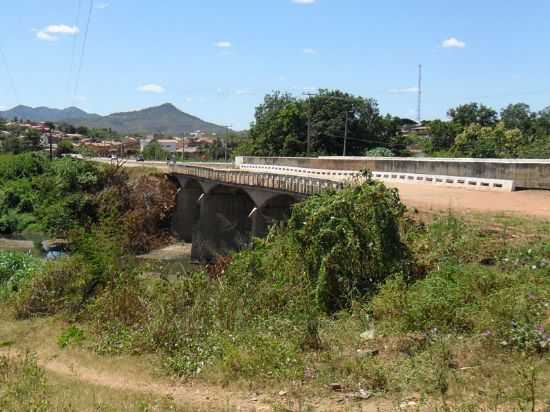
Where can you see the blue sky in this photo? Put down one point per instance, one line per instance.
(217, 58)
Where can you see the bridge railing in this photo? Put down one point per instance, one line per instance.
(292, 184)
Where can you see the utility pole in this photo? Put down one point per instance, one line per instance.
(346, 133)
(51, 144)
(308, 149)
(224, 141)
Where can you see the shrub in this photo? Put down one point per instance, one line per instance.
(506, 308)
(62, 286)
(22, 385)
(350, 241)
(15, 269)
(73, 335)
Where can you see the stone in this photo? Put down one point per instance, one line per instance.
(55, 245)
(363, 394)
(336, 387)
(368, 334)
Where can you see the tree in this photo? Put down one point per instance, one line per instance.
(518, 116)
(467, 114)
(64, 147)
(154, 151)
(379, 152)
(488, 142)
(31, 140)
(442, 135)
(328, 121)
(280, 127)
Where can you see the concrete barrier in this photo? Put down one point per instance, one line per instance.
(525, 173)
(471, 183)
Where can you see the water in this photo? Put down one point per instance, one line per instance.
(28, 243)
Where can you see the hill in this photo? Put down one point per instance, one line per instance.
(166, 119)
(43, 114)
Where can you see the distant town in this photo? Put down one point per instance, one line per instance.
(64, 138)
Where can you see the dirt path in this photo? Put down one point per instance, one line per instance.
(189, 394)
(429, 197)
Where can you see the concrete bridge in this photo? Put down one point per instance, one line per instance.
(220, 207)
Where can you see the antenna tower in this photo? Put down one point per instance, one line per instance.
(419, 109)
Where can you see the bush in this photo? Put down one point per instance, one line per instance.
(350, 241)
(15, 269)
(62, 286)
(506, 308)
(22, 385)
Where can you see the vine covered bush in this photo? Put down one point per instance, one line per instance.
(350, 241)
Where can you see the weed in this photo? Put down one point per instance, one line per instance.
(73, 335)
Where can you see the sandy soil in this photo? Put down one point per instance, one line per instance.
(189, 394)
(428, 197)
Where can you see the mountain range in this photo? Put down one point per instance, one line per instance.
(166, 119)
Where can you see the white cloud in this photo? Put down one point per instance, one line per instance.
(151, 88)
(304, 1)
(223, 44)
(51, 32)
(45, 36)
(311, 51)
(61, 29)
(453, 43)
(102, 6)
(404, 90)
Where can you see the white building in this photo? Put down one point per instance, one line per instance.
(169, 145)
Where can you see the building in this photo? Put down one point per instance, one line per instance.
(168, 145)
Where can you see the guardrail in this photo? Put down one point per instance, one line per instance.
(271, 181)
(474, 183)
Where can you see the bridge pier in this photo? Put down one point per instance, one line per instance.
(187, 213)
(224, 225)
(219, 218)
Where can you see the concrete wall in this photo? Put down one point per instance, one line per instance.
(526, 173)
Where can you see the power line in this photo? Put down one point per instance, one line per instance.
(73, 50)
(83, 51)
(10, 77)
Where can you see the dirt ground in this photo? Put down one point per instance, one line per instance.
(137, 375)
(428, 197)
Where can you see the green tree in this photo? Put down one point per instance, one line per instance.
(488, 142)
(328, 122)
(64, 147)
(154, 151)
(442, 135)
(31, 140)
(470, 113)
(518, 116)
(279, 129)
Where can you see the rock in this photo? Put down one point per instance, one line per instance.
(283, 393)
(368, 334)
(336, 387)
(55, 245)
(370, 353)
(363, 394)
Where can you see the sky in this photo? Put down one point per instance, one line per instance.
(217, 59)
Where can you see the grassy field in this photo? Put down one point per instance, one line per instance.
(467, 330)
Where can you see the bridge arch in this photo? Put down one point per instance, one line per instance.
(274, 210)
(187, 214)
(224, 224)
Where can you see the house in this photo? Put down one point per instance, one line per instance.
(168, 145)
